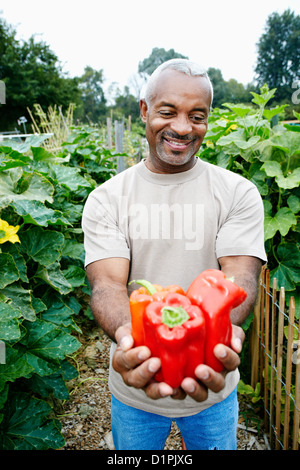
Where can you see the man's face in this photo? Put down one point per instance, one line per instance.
(176, 120)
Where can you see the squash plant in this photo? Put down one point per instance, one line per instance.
(247, 139)
(42, 278)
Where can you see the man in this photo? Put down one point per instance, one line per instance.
(167, 219)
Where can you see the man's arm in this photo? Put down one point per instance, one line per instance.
(246, 271)
(109, 298)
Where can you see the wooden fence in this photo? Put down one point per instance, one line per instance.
(275, 363)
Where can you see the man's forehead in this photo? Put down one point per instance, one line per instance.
(174, 82)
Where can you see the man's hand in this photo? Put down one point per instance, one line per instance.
(138, 368)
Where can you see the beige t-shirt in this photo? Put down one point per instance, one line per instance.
(172, 227)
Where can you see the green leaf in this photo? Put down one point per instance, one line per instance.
(294, 203)
(239, 139)
(75, 275)
(21, 300)
(69, 177)
(39, 188)
(273, 169)
(288, 141)
(262, 99)
(15, 367)
(25, 425)
(8, 270)
(73, 249)
(269, 113)
(287, 273)
(9, 324)
(44, 246)
(289, 182)
(60, 314)
(14, 251)
(239, 109)
(35, 212)
(282, 221)
(45, 344)
(55, 383)
(53, 276)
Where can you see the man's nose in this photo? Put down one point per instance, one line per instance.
(181, 125)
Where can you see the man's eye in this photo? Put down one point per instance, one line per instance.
(198, 118)
(165, 113)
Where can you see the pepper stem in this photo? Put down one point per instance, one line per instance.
(150, 287)
(174, 316)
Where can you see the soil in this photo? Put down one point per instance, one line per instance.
(85, 417)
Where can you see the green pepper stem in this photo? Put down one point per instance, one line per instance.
(174, 316)
(150, 287)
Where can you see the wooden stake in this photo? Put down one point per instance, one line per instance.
(288, 374)
(279, 364)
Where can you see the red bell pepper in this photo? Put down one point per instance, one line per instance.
(175, 332)
(216, 296)
(138, 301)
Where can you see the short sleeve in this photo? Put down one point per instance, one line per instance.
(242, 232)
(103, 238)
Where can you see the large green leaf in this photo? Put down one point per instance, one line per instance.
(282, 221)
(14, 251)
(60, 314)
(70, 177)
(44, 246)
(239, 139)
(273, 169)
(287, 273)
(73, 249)
(35, 212)
(288, 141)
(55, 383)
(75, 275)
(26, 425)
(15, 366)
(21, 300)
(9, 324)
(53, 276)
(45, 345)
(37, 187)
(8, 270)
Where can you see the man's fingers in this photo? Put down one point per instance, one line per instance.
(237, 339)
(227, 356)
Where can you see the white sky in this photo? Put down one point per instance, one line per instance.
(115, 35)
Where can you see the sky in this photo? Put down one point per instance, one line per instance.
(115, 35)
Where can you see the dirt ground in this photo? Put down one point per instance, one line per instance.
(85, 417)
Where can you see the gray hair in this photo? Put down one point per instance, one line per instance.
(182, 65)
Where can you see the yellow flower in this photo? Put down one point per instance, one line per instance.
(10, 232)
(233, 127)
(210, 144)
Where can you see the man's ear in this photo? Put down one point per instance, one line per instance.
(143, 110)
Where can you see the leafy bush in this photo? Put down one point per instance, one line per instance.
(247, 140)
(43, 282)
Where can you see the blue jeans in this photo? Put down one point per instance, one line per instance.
(212, 428)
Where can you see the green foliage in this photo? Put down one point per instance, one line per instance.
(243, 139)
(279, 53)
(43, 282)
(32, 74)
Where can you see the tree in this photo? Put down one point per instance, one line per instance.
(93, 101)
(278, 62)
(228, 91)
(32, 74)
(157, 57)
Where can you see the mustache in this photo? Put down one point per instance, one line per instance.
(174, 135)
